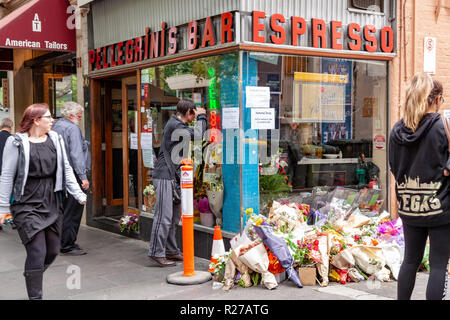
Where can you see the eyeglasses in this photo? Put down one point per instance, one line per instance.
(48, 117)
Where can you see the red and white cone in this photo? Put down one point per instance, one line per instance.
(218, 247)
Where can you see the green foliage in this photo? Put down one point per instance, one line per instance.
(274, 183)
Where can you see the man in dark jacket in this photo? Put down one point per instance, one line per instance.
(79, 158)
(177, 135)
(5, 131)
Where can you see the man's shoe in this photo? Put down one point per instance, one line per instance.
(73, 252)
(163, 262)
(175, 257)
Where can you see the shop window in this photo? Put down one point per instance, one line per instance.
(300, 126)
(326, 127)
(54, 84)
(205, 82)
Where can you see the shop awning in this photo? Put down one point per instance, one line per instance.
(40, 25)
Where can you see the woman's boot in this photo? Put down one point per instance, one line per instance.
(33, 281)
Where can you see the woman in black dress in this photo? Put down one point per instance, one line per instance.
(35, 173)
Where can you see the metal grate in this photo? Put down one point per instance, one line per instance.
(374, 5)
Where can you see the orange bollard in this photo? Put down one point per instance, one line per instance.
(188, 276)
(187, 211)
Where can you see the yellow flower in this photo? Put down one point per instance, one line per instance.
(249, 211)
(258, 222)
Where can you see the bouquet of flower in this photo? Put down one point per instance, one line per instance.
(149, 190)
(219, 266)
(306, 252)
(129, 222)
(274, 264)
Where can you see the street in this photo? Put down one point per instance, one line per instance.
(117, 268)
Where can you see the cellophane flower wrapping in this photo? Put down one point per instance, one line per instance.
(278, 247)
(257, 260)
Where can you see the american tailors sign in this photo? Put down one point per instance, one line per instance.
(40, 25)
(220, 29)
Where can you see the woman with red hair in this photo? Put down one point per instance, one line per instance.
(34, 175)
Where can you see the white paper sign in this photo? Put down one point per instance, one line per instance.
(147, 158)
(257, 97)
(133, 141)
(263, 118)
(429, 55)
(230, 118)
(146, 140)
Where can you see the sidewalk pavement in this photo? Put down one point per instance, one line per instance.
(117, 268)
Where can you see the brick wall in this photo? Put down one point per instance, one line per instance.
(415, 21)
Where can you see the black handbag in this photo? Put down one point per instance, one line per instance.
(176, 189)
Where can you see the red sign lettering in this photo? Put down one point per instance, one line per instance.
(296, 30)
(258, 26)
(154, 45)
(208, 35)
(277, 28)
(226, 20)
(352, 27)
(319, 29)
(192, 35)
(91, 59)
(173, 40)
(387, 40)
(371, 45)
(336, 35)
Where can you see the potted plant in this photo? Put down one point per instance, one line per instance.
(149, 196)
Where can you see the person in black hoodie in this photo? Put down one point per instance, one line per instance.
(176, 137)
(419, 161)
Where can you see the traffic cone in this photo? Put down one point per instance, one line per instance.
(218, 247)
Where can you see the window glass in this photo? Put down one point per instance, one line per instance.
(329, 126)
(200, 81)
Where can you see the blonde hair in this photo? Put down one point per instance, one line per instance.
(416, 103)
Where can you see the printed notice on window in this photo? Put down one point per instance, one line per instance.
(230, 118)
(133, 141)
(263, 118)
(257, 97)
(146, 140)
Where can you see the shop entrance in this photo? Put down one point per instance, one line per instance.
(120, 124)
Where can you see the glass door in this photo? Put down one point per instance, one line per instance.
(131, 135)
(120, 147)
(113, 149)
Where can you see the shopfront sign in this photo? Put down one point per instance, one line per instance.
(220, 29)
(39, 25)
(322, 35)
(166, 42)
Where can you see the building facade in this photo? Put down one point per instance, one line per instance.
(302, 83)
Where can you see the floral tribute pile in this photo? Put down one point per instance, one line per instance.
(340, 234)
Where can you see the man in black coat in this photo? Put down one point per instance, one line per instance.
(5, 131)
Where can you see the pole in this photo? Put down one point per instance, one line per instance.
(187, 211)
(188, 276)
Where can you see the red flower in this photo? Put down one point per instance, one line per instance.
(316, 242)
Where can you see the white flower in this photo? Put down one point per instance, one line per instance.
(125, 220)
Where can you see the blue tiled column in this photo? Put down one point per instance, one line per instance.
(231, 168)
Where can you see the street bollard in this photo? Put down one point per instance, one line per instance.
(187, 212)
(188, 276)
